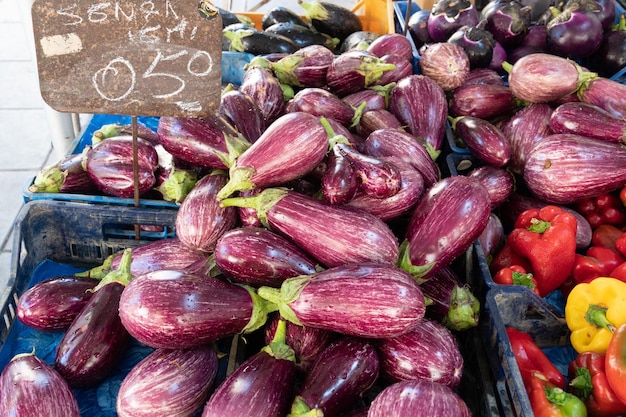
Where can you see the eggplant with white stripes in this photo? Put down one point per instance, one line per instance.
(484, 101)
(484, 140)
(307, 67)
(64, 176)
(588, 120)
(243, 113)
(605, 93)
(355, 70)
(332, 235)
(498, 181)
(340, 182)
(362, 299)
(264, 87)
(376, 119)
(322, 103)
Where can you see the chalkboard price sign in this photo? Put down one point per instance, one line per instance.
(149, 58)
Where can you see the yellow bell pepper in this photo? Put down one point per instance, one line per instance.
(593, 311)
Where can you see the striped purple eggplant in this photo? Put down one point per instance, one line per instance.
(430, 352)
(446, 63)
(565, 168)
(376, 119)
(375, 97)
(452, 303)
(338, 379)
(261, 386)
(402, 68)
(307, 67)
(392, 207)
(109, 164)
(588, 120)
(30, 387)
(332, 235)
(256, 256)
(322, 103)
(523, 129)
(307, 342)
(248, 216)
(446, 221)
(363, 300)
(200, 219)
(498, 181)
(52, 304)
(400, 144)
(421, 105)
(340, 182)
(243, 113)
(418, 398)
(264, 88)
(483, 139)
(355, 70)
(484, 76)
(168, 382)
(177, 310)
(484, 101)
(210, 142)
(65, 176)
(288, 149)
(492, 238)
(607, 94)
(392, 43)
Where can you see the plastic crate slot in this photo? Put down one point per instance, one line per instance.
(113, 231)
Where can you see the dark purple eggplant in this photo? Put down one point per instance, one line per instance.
(65, 176)
(204, 142)
(29, 386)
(420, 104)
(255, 256)
(52, 304)
(109, 164)
(451, 302)
(262, 385)
(291, 147)
(477, 42)
(355, 70)
(484, 76)
(307, 67)
(200, 219)
(259, 42)
(376, 119)
(278, 14)
(243, 113)
(574, 32)
(610, 57)
(483, 101)
(508, 21)
(339, 378)
(448, 218)
(418, 398)
(400, 144)
(564, 168)
(168, 382)
(498, 181)
(536, 37)
(302, 36)
(543, 77)
(447, 16)
(176, 310)
(607, 94)
(445, 62)
(307, 342)
(606, 10)
(332, 19)
(340, 181)
(392, 43)
(411, 190)
(358, 299)
(360, 39)
(523, 129)
(417, 27)
(402, 68)
(484, 140)
(492, 238)
(588, 120)
(357, 412)
(322, 103)
(429, 352)
(333, 235)
(262, 85)
(499, 56)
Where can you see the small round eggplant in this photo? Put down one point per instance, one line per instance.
(340, 182)
(418, 28)
(449, 15)
(574, 33)
(477, 42)
(508, 21)
(446, 63)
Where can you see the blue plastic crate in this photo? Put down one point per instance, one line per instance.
(400, 9)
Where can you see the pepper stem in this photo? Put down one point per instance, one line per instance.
(538, 226)
(596, 315)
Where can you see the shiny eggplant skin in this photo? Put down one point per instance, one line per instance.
(339, 377)
(301, 35)
(340, 183)
(307, 67)
(261, 386)
(588, 120)
(257, 256)
(498, 181)
(168, 382)
(65, 176)
(355, 70)
(420, 104)
(402, 68)
(109, 164)
(200, 219)
(483, 101)
(333, 19)
(264, 88)
(448, 218)
(376, 119)
(363, 300)
(177, 310)
(445, 62)
(418, 398)
(243, 113)
(52, 305)
(392, 43)
(375, 98)
(322, 103)
(429, 352)
(447, 16)
(564, 168)
(95, 341)
(279, 14)
(484, 140)
(607, 94)
(30, 387)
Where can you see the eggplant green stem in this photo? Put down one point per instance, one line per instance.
(261, 202)
(260, 310)
(122, 274)
(105, 132)
(48, 180)
(333, 138)
(314, 9)
(100, 271)
(404, 262)
(278, 348)
(464, 311)
(584, 79)
(299, 408)
(289, 292)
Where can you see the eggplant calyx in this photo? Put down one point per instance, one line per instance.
(235, 145)
(106, 131)
(49, 180)
(278, 348)
(507, 66)
(177, 185)
(235, 36)
(358, 113)
(100, 271)
(584, 79)
(314, 10)
(299, 408)
(464, 310)
(289, 292)
(120, 275)
(261, 202)
(284, 69)
(288, 91)
(372, 69)
(333, 138)
(384, 90)
(404, 263)
(239, 181)
(260, 310)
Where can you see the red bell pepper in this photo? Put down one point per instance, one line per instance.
(603, 209)
(548, 400)
(506, 257)
(606, 235)
(597, 262)
(620, 244)
(588, 381)
(615, 362)
(547, 238)
(531, 358)
(516, 275)
(619, 272)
